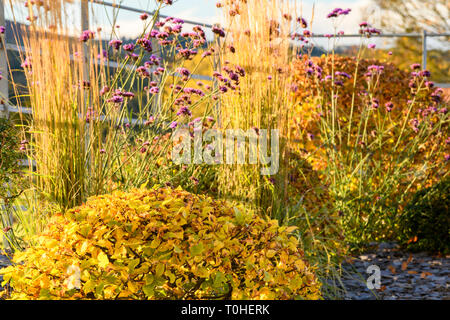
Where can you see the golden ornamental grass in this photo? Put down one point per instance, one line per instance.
(60, 94)
(263, 50)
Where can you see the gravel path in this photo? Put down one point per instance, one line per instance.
(406, 276)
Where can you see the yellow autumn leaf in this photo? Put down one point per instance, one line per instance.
(103, 260)
(84, 247)
(159, 270)
(270, 253)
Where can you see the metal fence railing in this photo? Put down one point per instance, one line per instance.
(5, 108)
(132, 9)
(424, 36)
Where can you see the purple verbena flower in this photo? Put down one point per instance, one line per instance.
(143, 72)
(375, 103)
(184, 73)
(389, 106)
(177, 28)
(338, 12)
(115, 43)
(184, 111)
(302, 22)
(240, 71)
(86, 35)
(127, 94)
(206, 54)
(173, 125)
(218, 31)
(364, 24)
(429, 84)
(425, 73)
(342, 74)
(26, 64)
(145, 43)
(154, 90)
(116, 99)
(104, 90)
(129, 47)
(375, 69)
(103, 54)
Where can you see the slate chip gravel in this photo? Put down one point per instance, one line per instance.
(404, 275)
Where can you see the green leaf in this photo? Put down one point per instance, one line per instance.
(177, 249)
(159, 269)
(84, 230)
(99, 289)
(89, 286)
(132, 265)
(197, 249)
(240, 219)
(44, 293)
(267, 276)
(148, 290)
(149, 278)
(219, 279)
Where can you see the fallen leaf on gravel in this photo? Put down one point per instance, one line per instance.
(410, 258)
(392, 269)
(350, 260)
(404, 265)
(412, 272)
(425, 274)
(382, 288)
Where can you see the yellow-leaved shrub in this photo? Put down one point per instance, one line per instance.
(161, 244)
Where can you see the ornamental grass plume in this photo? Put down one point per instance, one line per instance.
(90, 118)
(262, 52)
(59, 105)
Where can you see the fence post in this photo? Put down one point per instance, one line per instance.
(4, 106)
(424, 49)
(86, 61)
(4, 91)
(217, 67)
(85, 26)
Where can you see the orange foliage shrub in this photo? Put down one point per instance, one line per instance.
(392, 86)
(373, 138)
